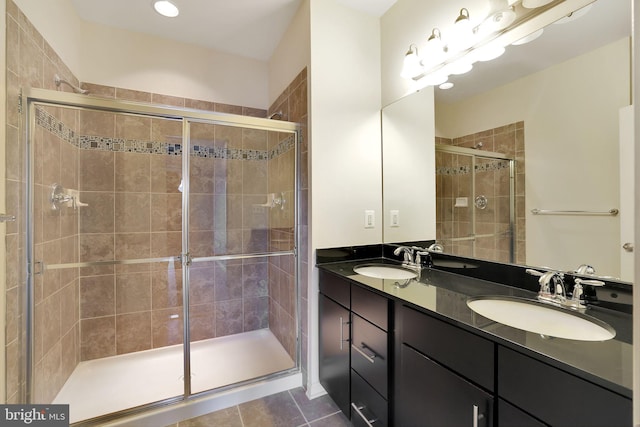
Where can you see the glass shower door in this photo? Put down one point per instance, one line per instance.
(105, 248)
(493, 203)
(241, 246)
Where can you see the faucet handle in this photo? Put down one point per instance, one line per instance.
(585, 269)
(419, 255)
(436, 247)
(578, 289)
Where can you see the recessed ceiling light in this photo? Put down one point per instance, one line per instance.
(446, 85)
(166, 8)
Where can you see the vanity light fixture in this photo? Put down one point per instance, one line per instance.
(488, 52)
(532, 4)
(575, 15)
(412, 66)
(526, 39)
(458, 67)
(435, 40)
(166, 8)
(463, 18)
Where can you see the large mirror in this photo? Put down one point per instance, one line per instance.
(556, 106)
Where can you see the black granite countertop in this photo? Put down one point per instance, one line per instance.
(444, 294)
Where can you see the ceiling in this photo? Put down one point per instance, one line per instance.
(249, 28)
(254, 28)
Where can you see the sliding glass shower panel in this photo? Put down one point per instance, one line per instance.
(107, 292)
(239, 190)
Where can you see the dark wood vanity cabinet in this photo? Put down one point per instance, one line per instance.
(355, 350)
(386, 362)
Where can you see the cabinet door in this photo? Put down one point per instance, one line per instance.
(510, 416)
(334, 352)
(429, 395)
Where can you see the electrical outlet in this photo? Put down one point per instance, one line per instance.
(395, 218)
(369, 219)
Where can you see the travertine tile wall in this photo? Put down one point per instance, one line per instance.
(282, 286)
(454, 179)
(31, 62)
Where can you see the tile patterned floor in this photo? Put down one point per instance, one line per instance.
(287, 409)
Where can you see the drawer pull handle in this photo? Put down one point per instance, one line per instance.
(359, 409)
(477, 416)
(369, 357)
(342, 340)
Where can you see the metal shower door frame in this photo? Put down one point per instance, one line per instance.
(35, 97)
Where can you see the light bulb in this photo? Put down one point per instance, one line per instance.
(412, 66)
(166, 8)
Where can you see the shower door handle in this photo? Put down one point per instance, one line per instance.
(7, 218)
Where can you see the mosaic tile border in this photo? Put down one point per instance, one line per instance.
(465, 170)
(87, 142)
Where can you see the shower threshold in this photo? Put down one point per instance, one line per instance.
(112, 384)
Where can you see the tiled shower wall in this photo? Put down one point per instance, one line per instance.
(454, 179)
(31, 62)
(125, 319)
(292, 103)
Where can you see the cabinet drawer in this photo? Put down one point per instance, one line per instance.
(430, 395)
(557, 397)
(370, 306)
(366, 404)
(468, 354)
(335, 288)
(369, 353)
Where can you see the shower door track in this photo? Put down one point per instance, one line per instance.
(35, 96)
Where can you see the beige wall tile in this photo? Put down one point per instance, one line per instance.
(98, 337)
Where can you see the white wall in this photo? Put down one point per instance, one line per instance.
(292, 53)
(115, 57)
(345, 172)
(570, 114)
(346, 175)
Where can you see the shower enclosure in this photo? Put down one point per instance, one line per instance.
(475, 203)
(161, 252)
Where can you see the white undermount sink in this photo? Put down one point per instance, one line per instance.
(537, 317)
(382, 271)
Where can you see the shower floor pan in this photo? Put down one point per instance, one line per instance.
(112, 384)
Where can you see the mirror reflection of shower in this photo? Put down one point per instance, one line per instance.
(476, 195)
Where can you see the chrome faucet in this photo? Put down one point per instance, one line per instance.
(555, 294)
(408, 254)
